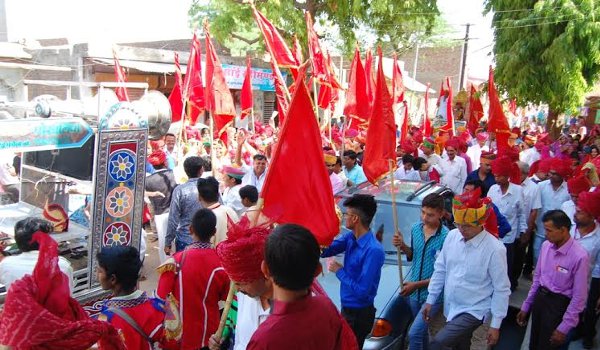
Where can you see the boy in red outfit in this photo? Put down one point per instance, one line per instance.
(196, 279)
(138, 318)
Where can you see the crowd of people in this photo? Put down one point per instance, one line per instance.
(527, 210)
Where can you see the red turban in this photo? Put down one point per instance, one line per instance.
(157, 157)
(577, 185)
(482, 136)
(561, 166)
(155, 145)
(504, 166)
(589, 202)
(454, 143)
(243, 251)
(545, 165)
(39, 312)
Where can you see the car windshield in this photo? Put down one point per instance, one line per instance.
(402, 188)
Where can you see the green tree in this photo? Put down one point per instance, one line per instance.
(393, 22)
(547, 51)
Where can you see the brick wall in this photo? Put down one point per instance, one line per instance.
(434, 64)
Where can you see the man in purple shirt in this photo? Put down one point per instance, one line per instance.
(559, 290)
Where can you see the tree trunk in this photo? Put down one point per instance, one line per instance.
(552, 124)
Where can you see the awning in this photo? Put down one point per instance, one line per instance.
(27, 66)
(409, 83)
(143, 66)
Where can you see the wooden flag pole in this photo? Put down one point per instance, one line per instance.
(212, 145)
(226, 310)
(395, 214)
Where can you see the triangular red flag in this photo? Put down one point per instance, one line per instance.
(120, 77)
(246, 100)
(175, 97)
(357, 102)
(300, 143)
(317, 55)
(380, 146)
(193, 88)
(217, 94)
(275, 44)
(369, 79)
(297, 51)
(428, 130)
(475, 110)
(405, 122)
(497, 121)
(397, 82)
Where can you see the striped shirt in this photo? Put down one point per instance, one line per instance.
(424, 255)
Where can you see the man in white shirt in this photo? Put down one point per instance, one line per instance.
(475, 150)
(575, 186)
(471, 271)
(241, 255)
(406, 171)
(530, 154)
(208, 195)
(15, 267)
(454, 169)
(231, 194)
(256, 174)
(532, 203)
(337, 184)
(586, 231)
(9, 181)
(509, 199)
(553, 193)
(427, 152)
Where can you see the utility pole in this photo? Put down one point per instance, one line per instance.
(463, 63)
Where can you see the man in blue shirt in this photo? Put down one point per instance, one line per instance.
(363, 260)
(484, 172)
(184, 204)
(426, 240)
(353, 171)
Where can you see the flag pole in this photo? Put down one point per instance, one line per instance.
(226, 309)
(395, 214)
(212, 145)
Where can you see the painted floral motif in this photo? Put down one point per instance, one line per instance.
(119, 202)
(117, 234)
(121, 165)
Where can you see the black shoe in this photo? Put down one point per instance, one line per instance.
(588, 343)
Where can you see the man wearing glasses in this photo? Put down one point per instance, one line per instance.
(471, 271)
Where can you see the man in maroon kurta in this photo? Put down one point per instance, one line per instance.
(298, 320)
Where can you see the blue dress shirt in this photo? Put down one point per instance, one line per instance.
(361, 272)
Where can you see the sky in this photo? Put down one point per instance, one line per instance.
(116, 21)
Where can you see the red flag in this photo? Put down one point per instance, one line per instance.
(475, 110)
(380, 146)
(297, 51)
(405, 122)
(300, 143)
(428, 130)
(283, 100)
(397, 83)
(275, 44)
(246, 100)
(369, 77)
(317, 56)
(120, 76)
(329, 91)
(497, 121)
(176, 98)
(193, 88)
(357, 106)
(449, 126)
(512, 106)
(217, 95)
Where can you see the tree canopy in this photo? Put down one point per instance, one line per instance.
(546, 51)
(390, 21)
